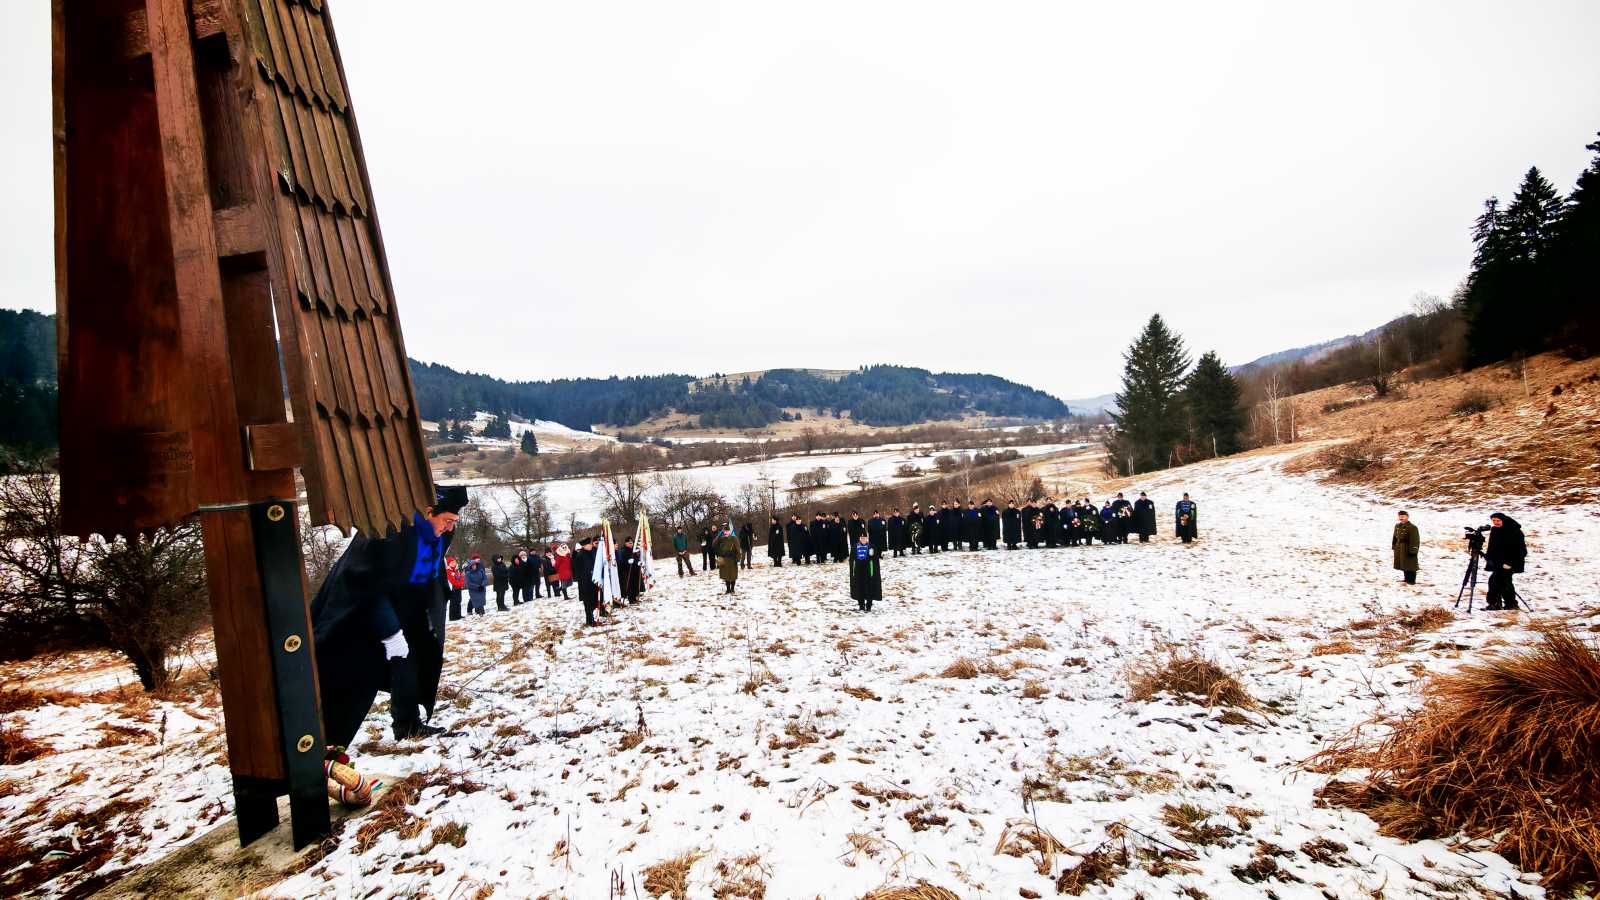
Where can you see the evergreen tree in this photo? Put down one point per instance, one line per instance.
(1512, 283)
(498, 427)
(1149, 422)
(1576, 264)
(530, 444)
(1215, 417)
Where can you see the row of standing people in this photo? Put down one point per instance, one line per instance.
(528, 575)
(830, 537)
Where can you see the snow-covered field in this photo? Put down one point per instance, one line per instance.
(577, 495)
(799, 743)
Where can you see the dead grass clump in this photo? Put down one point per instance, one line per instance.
(924, 817)
(759, 676)
(1427, 618)
(1188, 674)
(964, 667)
(452, 833)
(1354, 457)
(1030, 642)
(630, 740)
(670, 877)
(919, 891)
(1335, 648)
(742, 878)
(1033, 690)
(1021, 837)
(16, 747)
(1102, 865)
(391, 813)
(860, 693)
(1503, 750)
(1188, 822)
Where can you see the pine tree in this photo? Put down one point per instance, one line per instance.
(530, 444)
(498, 427)
(1512, 283)
(1576, 264)
(1149, 422)
(1212, 395)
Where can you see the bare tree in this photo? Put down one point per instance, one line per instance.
(1276, 391)
(524, 519)
(619, 493)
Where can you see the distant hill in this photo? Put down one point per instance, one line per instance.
(873, 395)
(1091, 405)
(1308, 353)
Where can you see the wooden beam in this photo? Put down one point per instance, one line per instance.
(273, 446)
(135, 32)
(240, 231)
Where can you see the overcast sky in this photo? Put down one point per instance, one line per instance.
(593, 188)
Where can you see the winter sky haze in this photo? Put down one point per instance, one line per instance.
(1013, 187)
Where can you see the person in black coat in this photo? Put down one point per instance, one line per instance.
(1504, 556)
(630, 577)
(583, 574)
(841, 540)
(914, 525)
(1051, 516)
(775, 542)
(896, 527)
(521, 582)
(990, 515)
(855, 528)
(707, 560)
(1031, 520)
(747, 545)
(378, 624)
(931, 538)
(818, 545)
(1186, 519)
(1144, 517)
(866, 574)
(971, 527)
(1011, 525)
(501, 581)
(796, 532)
(878, 533)
(951, 526)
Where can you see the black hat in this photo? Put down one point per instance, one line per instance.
(449, 498)
(586, 540)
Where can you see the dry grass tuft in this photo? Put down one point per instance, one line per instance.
(1188, 824)
(1427, 618)
(1504, 750)
(742, 878)
(1030, 642)
(919, 891)
(1187, 673)
(670, 877)
(16, 747)
(391, 813)
(964, 667)
(1101, 865)
(1021, 837)
(1033, 690)
(1335, 648)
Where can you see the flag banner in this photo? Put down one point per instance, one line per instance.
(646, 551)
(605, 566)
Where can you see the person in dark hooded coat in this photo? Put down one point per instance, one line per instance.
(796, 532)
(991, 524)
(1031, 520)
(866, 574)
(378, 624)
(878, 533)
(1011, 525)
(971, 526)
(1051, 515)
(1186, 519)
(896, 526)
(1144, 517)
(1504, 557)
(931, 539)
(818, 543)
(775, 542)
(841, 541)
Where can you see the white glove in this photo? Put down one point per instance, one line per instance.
(395, 646)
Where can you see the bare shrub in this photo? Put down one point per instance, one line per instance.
(1503, 750)
(1472, 402)
(1354, 457)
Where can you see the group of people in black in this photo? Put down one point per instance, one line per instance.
(829, 537)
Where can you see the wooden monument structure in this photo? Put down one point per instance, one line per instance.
(218, 254)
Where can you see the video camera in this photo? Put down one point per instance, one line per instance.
(1475, 538)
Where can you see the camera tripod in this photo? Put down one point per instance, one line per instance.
(1470, 578)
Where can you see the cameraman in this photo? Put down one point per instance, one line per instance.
(1505, 555)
